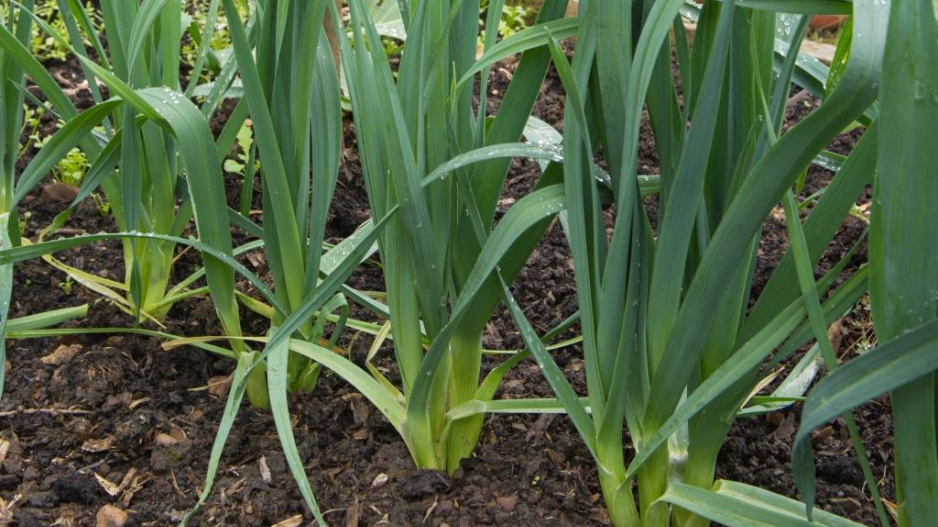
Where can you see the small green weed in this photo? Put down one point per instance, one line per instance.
(104, 208)
(514, 18)
(67, 284)
(70, 169)
(46, 48)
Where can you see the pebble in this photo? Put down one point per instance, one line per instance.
(61, 355)
(110, 516)
(58, 192)
(164, 439)
(507, 502)
(380, 480)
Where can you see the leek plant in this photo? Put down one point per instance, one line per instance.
(11, 123)
(142, 193)
(672, 349)
(903, 274)
(289, 80)
(153, 135)
(291, 91)
(408, 132)
(17, 26)
(418, 137)
(137, 162)
(157, 192)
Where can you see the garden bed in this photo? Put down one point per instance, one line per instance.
(89, 421)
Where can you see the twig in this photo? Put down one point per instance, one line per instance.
(49, 411)
(803, 95)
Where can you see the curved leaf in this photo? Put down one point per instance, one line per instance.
(889, 366)
(530, 38)
(740, 505)
(19, 254)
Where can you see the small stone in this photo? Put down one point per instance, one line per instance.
(59, 192)
(218, 386)
(164, 439)
(264, 470)
(93, 446)
(61, 355)
(507, 502)
(380, 480)
(110, 516)
(81, 427)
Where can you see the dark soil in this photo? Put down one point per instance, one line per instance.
(92, 420)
